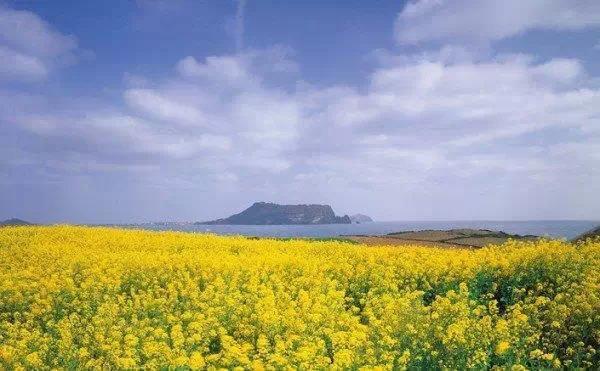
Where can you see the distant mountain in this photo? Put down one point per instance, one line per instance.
(594, 233)
(264, 213)
(360, 218)
(13, 221)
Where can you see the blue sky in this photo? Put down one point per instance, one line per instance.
(192, 110)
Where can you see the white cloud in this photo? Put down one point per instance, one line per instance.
(488, 20)
(225, 69)
(487, 100)
(561, 70)
(17, 66)
(213, 127)
(119, 138)
(158, 106)
(225, 96)
(27, 32)
(30, 47)
(418, 116)
(421, 121)
(241, 69)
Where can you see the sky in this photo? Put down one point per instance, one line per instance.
(152, 110)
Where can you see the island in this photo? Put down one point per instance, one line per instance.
(266, 213)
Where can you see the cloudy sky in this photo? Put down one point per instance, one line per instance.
(117, 111)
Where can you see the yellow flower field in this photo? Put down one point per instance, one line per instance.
(77, 297)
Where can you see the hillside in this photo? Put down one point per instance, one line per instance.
(594, 233)
(470, 238)
(264, 213)
(13, 222)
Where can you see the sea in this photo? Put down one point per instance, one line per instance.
(565, 229)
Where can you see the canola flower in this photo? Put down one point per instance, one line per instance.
(91, 298)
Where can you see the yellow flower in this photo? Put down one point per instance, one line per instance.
(536, 354)
(547, 356)
(502, 347)
(33, 360)
(110, 298)
(7, 353)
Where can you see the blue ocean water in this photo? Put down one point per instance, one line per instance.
(550, 228)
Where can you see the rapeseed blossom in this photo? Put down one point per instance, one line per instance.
(77, 297)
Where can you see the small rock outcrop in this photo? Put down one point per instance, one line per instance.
(265, 213)
(360, 218)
